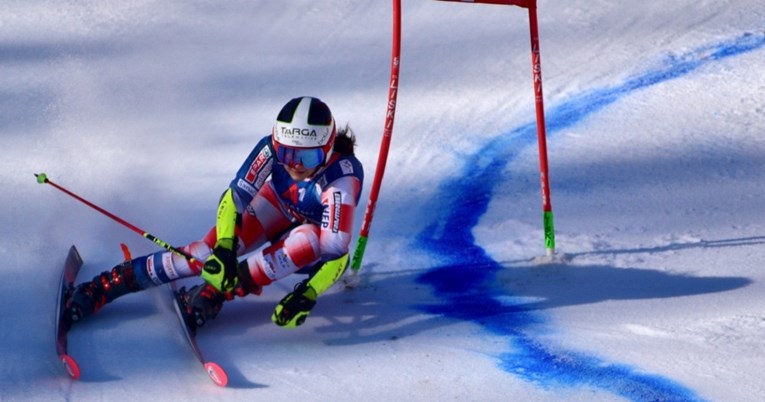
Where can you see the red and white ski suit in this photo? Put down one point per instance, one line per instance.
(304, 221)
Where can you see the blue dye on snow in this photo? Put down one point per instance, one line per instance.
(463, 282)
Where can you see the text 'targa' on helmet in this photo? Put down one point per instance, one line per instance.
(304, 132)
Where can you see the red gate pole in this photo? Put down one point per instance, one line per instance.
(536, 70)
(382, 158)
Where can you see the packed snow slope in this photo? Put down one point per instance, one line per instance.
(655, 114)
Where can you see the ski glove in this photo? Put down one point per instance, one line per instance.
(220, 268)
(294, 308)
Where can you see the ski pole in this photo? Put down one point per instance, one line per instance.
(42, 178)
(358, 254)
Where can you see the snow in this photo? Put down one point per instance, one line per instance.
(654, 114)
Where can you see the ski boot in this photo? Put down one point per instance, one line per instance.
(204, 302)
(89, 297)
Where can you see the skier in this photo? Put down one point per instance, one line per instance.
(297, 191)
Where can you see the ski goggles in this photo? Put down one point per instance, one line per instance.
(308, 157)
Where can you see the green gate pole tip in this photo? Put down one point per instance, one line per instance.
(361, 245)
(41, 178)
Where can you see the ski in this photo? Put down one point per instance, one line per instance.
(216, 373)
(68, 276)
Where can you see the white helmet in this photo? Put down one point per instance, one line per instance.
(304, 132)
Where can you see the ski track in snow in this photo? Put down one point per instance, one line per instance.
(464, 280)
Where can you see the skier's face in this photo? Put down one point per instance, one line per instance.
(299, 172)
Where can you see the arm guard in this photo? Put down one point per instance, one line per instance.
(328, 274)
(228, 217)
